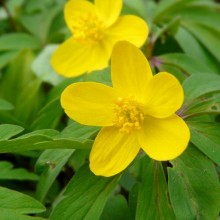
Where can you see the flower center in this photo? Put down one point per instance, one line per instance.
(88, 28)
(129, 114)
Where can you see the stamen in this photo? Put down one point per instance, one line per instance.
(129, 114)
(88, 28)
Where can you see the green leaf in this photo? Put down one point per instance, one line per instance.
(6, 57)
(194, 187)
(152, 202)
(132, 199)
(196, 12)
(77, 130)
(193, 48)
(176, 71)
(210, 105)
(21, 203)
(12, 215)
(6, 117)
(41, 142)
(8, 173)
(57, 90)
(7, 131)
(100, 76)
(138, 6)
(193, 10)
(5, 105)
(50, 133)
(170, 27)
(167, 7)
(18, 41)
(17, 76)
(39, 24)
(85, 196)
(49, 116)
(28, 102)
(185, 62)
(199, 85)
(42, 68)
(78, 159)
(116, 208)
(206, 35)
(206, 136)
(53, 161)
(128, 180)
(14, 5)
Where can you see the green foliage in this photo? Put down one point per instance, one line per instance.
(44, 156)
(8, 131)
(42, 139)
(185, 63)
(8, 173)
(50, 164)
(75, 206)
(205, 135)
(191, 178)
(4, 105)
(152, 200)
(205, 83)
(119, 204)
(13, 205)
(10, 42)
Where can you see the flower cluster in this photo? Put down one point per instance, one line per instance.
(139, 110)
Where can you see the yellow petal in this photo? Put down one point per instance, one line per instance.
(129, 28)
(163, 96)
(131, 71)
(164, 139)
(109, 10)
(112, 151)
(75, 8)
(69, 58)
(99, 56)
(89, 103)
(73, 59)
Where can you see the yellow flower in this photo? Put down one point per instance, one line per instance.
(137, 112)
(95, 28)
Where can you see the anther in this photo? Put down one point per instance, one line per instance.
(129, 114)
(88, 29)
